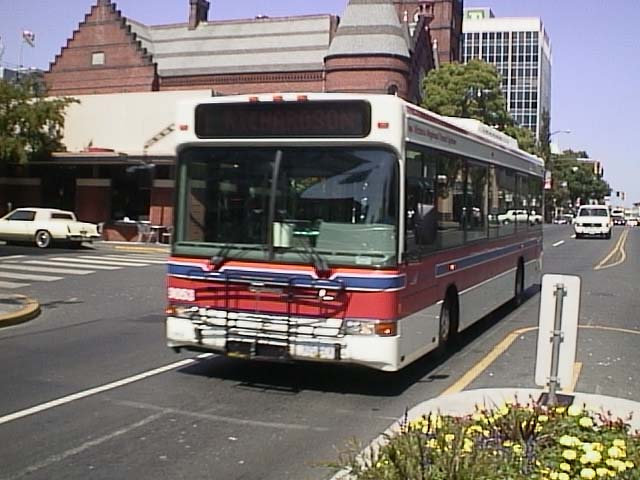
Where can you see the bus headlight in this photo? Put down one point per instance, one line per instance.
(383, 328)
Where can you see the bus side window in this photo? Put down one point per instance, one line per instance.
(421, 217)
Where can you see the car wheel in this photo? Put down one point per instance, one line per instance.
(608, 235)
(43, 239)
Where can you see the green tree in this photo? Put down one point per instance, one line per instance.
(473, 90)
(573, 180)
(31, 124)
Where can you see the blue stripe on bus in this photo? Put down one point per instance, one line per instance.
(462, 263)
(375, 283)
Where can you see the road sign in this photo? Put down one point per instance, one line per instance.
(557, 326)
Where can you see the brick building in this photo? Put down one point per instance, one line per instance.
(119, 145)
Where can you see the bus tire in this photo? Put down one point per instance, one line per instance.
(448, 324)
(518, 291)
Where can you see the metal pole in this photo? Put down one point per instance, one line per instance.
(556, 340)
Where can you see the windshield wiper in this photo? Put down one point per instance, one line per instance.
(219, 258)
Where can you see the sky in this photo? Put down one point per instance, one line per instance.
(595, 47)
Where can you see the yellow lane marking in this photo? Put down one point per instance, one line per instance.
(617, 249)
(501, 347)
(482, 365)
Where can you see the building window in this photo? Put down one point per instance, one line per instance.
(97, 58)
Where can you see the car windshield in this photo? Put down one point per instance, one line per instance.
(593, 212)
(263, 203)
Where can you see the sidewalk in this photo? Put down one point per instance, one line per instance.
(16, 309)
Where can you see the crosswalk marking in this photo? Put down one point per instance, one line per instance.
(63, 264)
(12, 284)
(98, 262)
(29, 268)
(48, 269)
(128, 261)
(28, 276)
(137, 259)
(11, 257)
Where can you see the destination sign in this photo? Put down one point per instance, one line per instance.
(347, 119)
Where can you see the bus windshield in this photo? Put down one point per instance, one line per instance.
(289, 204)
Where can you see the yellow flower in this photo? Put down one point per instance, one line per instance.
(588, 473)
(563, 476)
(591, 456)
(468, 445)
(507, 443)
(602, 472)
(585, 422)
(629, 464)
(561, 409)
(432, 443)
(569, 441)
(565, 467)
(449, 437)
(619, 443)
(503, 410)
(517, 448)
(569, 454)
(574, 411)
(614, 452)
(597, 446)
(543, 418)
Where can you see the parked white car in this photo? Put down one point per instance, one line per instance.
(593, 220)
(519, 216)
(45, 226)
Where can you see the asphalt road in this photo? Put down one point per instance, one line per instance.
(101, 337)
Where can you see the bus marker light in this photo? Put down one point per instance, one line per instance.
(452, 267)
(278, 98)
(386, 329)
(254, 99)
(170, 310)
(302, 98)
(183, 127)
(383, 125)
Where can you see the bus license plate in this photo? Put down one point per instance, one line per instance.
(316, 351)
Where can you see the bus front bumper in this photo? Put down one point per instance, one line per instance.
(372, 351)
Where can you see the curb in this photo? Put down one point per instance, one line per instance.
(134, 248)
(29, 311)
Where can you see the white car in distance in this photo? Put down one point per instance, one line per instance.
(593, 220)
(44, 226)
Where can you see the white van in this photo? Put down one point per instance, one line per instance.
(593, 220)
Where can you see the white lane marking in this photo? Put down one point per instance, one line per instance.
(137, 259)
(85, 446)
(27, 276)
(28, 268)
(93, 391)
(557, 244)
(63, 264)
(98, 262)
(13, 285)
(11, 257)
(220, 418)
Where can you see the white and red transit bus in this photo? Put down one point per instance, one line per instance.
(356, 229)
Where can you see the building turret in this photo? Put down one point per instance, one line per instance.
(369, 52)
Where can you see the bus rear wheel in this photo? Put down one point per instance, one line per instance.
(518, 294)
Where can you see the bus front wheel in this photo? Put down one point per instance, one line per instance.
(448, 326)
